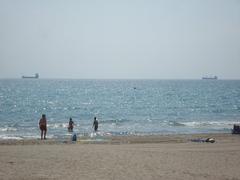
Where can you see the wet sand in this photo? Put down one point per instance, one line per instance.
(131, 157)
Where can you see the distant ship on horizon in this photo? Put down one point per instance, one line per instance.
(210, 77)
(31, 77)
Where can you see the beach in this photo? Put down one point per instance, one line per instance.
(122, 157)
(120, 90)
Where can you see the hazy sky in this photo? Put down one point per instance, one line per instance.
(160, 39)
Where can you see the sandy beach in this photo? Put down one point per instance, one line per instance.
(132, 157)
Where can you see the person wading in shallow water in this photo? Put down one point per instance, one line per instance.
(43, 126)
(95, 124)
(70, 125)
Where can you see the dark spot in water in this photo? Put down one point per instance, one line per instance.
(11, 162)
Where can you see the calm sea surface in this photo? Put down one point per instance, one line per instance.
(122, 107)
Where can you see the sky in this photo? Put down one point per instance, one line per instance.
(124, 39)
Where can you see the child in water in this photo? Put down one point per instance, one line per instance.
(95, 124)
(70, 125)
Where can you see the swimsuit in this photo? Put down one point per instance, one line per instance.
(43, 127)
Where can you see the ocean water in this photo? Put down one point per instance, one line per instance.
(123, 107)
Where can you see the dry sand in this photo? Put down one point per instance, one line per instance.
(146, 158)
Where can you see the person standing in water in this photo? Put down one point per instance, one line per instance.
(70, 125)
(95, 124)
(43, 126)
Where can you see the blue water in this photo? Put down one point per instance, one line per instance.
(123, 107)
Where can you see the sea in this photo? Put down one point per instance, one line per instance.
(122, 107)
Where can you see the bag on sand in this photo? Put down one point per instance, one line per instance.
(74, 137)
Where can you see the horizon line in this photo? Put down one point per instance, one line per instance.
(62, 78)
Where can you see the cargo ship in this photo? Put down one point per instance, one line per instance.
(31, 77)
(210, 77)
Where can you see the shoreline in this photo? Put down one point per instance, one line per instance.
(126, 139)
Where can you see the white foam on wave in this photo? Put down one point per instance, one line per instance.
(6, 137)
(31, 137)
(225, 124)
(58, 125)
(5, 129)
(99, 134)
